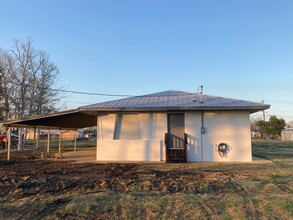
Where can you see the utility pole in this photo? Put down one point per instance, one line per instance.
(264, 119)
(263, 112)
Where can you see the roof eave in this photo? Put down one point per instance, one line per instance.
(251, 109)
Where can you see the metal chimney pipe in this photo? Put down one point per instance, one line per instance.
(201, 95)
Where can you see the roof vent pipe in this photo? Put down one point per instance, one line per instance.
(201, 90)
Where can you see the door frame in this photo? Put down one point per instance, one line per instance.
(175, 154)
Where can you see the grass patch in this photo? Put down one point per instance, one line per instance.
(94, 203)
(272, 149)
(36, 189)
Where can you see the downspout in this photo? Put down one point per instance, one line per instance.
(202, 129)
(202, 132)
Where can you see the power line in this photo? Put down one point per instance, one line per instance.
(114, 95)
(93, 93)
(74, 91)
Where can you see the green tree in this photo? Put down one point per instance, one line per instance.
(272, 127)
(275, 126)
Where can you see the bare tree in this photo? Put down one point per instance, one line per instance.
(29, 82)
(5, 85)
(42, 93)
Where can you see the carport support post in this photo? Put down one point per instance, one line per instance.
(59, 149)
(19, 144)
(34, 145)
(48, 141)
(75, 134)
(38, 139)
(9, 142)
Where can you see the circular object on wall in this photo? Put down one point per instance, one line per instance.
(223, 149)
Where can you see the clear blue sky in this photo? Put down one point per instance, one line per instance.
(240, 49)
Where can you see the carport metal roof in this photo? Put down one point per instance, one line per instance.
(69, 120)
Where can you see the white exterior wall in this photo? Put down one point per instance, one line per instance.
(106, 126)
(130, 150)
(130, 127)
(192, 129)
(232, 128)
(142, 137)
(149, 131)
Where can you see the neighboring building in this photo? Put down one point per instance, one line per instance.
(255, 135)
(30, 135)
(69, 135)
(171, 126)
(43, 134)
(54, 134)
(287, 134)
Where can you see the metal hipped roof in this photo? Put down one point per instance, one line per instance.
(69, 120)
(175, 100)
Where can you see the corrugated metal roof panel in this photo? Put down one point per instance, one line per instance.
(172, 100)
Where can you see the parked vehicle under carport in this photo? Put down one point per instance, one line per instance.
(3, 139)
(82, 139)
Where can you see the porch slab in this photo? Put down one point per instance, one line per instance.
(89, 156)
(260, 160)
(81, 156)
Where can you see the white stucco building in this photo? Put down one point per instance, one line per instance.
(174, 126)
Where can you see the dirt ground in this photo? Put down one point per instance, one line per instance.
(60, 176)
(34, 188)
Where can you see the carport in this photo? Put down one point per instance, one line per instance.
(66, 120)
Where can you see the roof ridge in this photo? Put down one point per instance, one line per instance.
(166, 93)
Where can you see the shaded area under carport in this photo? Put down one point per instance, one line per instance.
(67, 120)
